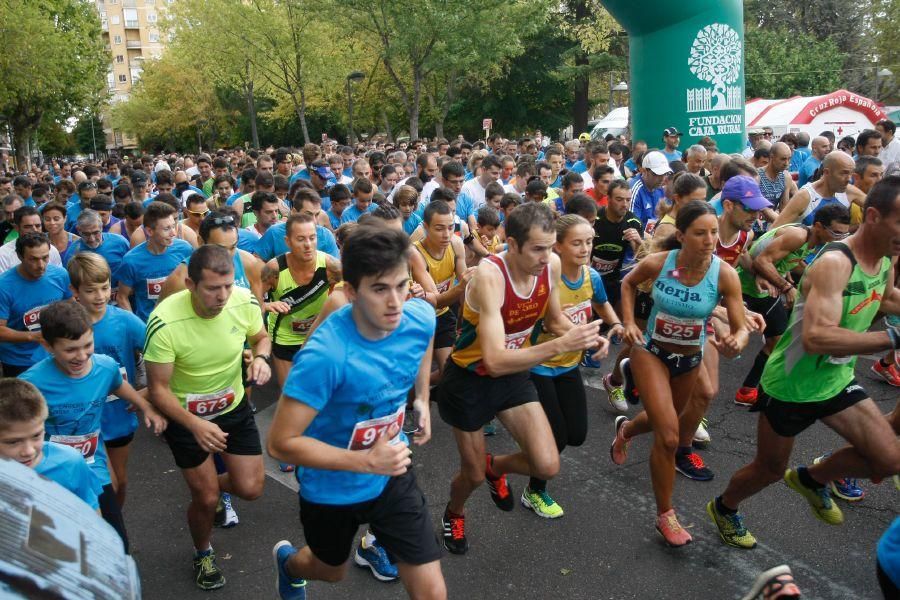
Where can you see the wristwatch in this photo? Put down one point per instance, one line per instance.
(265, 357)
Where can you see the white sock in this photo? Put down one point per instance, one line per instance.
(368, 539)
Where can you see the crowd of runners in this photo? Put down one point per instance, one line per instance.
(382, 286)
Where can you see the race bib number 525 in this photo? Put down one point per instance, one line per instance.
(677, 331)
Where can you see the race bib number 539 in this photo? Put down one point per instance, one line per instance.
(365, 433)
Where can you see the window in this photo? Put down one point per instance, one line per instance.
(131, 17)
(151, 17)
(117, 39)
(104, 24)
(135, 75)
(154, 38)
(123, 78)
(120, 59)
(114, 19)
(111, 80)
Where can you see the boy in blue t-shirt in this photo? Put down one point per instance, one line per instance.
(76, 383)
(22, 414)
(118, 334)
(344, 426)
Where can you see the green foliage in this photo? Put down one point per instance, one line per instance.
(779, 64)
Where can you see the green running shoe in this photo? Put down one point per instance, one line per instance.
(541, 503)
(823, 507)
(209, 577)
(731, 528)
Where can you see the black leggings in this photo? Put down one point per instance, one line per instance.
(112, 513)
(890, 591)
(565, 404)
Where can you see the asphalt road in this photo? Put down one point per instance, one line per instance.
(604, 547)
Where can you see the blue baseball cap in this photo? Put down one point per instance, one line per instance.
(320, 169)
(744, 189)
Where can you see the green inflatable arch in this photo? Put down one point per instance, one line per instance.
(687, 69)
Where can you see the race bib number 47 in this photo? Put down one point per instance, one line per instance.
(86, 444)
(208, 406)
(677, 331)
(365, 433)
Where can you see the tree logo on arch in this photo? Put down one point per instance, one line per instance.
(717, 58)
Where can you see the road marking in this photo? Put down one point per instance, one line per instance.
(263, 422)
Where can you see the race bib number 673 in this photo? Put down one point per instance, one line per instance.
(208, 406)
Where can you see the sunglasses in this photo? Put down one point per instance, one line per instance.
(197, 213)
(229, 220)
(837, 235)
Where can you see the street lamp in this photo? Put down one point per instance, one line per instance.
(879, 75)
(619, 87)
(356, 76)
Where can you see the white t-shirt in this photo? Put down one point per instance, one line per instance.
(589, 181)
(890, 154)
(9, 258)
(472, 188)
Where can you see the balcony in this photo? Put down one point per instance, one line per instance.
(132, 24)
(133, 43)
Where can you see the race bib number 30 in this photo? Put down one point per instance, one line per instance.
(208, 406)
(86, 444)
(154, 287)
(677, 331)
(365, 433)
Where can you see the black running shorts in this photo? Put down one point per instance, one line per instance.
(243, 438)
(468, 401)
(788, 419)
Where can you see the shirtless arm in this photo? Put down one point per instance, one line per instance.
(253, 270)
(823, 287)
(123, 297)
(173, 283)
(419, 271)
(794, 208)
(786, 242)
(463, 275)
(731, 344)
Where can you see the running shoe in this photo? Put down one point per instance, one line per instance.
(746, 396)
(702, 439)
(820, 501)
(846, 489)
(285, 468)
(628, 387)
(226, 516)
(287, 587)
(731, 528)
(897, 482)
(615, 394)
(588, 361)
(691, 466)
(668, 526)
(775, 584)
(889, 373)
(541, 503)
(618, 451)
(454, 533)
(498, 487)
(209, 577)
(376, 559)
(490, 429)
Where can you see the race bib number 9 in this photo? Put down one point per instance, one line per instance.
(32, 319)
(580, 313)
(86, 444)
(154, 287)
(208, 406)
(515, 341)
(365, 433)
(677, 331)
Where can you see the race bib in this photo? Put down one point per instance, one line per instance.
(514, 341)
(648, 229)
(444, 286)
(154, 287)
(677, 331)
(113, 397)
(113, 295)
(32, 319)
(302, 326)
(580, 313)
(366, 432)
(208, 406)
(604, 267)
(86, 444)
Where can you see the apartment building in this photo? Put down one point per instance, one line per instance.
(131, 35)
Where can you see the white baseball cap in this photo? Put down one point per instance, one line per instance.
(656, 162)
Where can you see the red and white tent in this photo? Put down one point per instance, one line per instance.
(841, 112)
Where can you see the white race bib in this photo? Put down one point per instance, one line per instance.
(208, 406)
(579, 313)
(365, 433)
(32, 319)
(515, 341)
(302, 326)
(86, 444)
(675, 330)
(604, 267)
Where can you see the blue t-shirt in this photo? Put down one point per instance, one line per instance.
(333, 219)
(113, 248)
(888, 552)
(145, 272)
(672, 156)
(73, 209)
(65, 466)
(272, 243)
(410, 224)
(599, 297)
(717, 205)
(465, 207)
(643, 201)
(798, 158)
(232, 198)
(807, 170)
(247, 240)
(301, 174)
(350, 380)
(579, 167)
(76, 406)
(352, 213)
(119, 334)
(21, 301)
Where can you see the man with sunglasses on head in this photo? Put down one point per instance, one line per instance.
(768, 287)
(146, 266)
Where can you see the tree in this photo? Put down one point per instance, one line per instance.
(52, 66)
(779, 64)
(422, 42)
(88, 134)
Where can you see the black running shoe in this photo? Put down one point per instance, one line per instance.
(628, 387)
(454, 533)
(499, 488)
(691, 465)
(209, 577)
